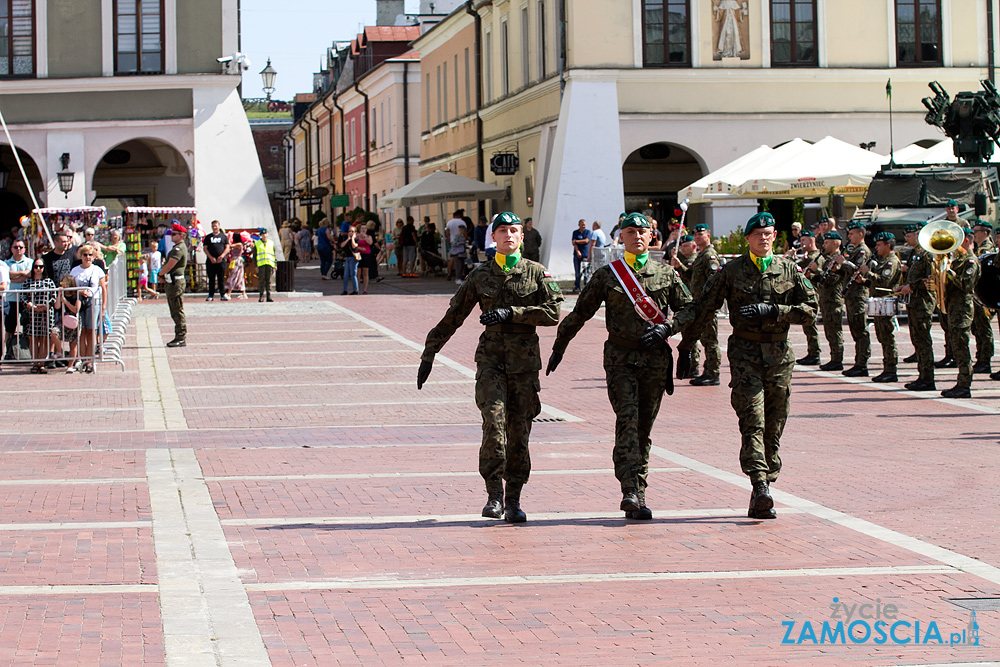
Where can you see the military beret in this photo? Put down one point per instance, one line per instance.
(910, 228)
(635, 220)
(759, 220)
(832, 236)
(884, 236)
(506, 218)
(952, 202)
(806, 232)
(982, 223)
(968, 232)
(856, 225)
(687, 238)
(700, 227)
(921, 225)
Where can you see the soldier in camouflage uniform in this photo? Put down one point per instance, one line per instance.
(683, 264)
(766, 293)
(706, 264)
(906, 254)
(516, 295)
(637, 359)
(981, 327)
(829, 285)
(963, 272)
(856, 299)
(882, 277)
(173, 272)
(811, 264)
(919, 314)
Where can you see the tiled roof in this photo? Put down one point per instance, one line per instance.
(409, 55)
(391, 33)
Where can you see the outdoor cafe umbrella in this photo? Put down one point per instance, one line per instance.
(721, 181)
(441, 187)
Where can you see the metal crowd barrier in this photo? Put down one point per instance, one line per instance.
(119, 313)
(20, 348)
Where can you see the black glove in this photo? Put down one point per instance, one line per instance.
(554, 360)
(683, 363)
(496, 316)
(759, 311)
(656, 336)
(423, 373)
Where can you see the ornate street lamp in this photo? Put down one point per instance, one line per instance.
(65, 177)
(268, 75)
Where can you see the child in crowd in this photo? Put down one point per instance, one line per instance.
(155, 260)
(144, 288)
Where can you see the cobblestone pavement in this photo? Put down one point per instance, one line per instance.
(278, 493)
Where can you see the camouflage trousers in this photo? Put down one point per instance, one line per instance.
(811, 332)
(175, 301)
(885, 332)
(635, 394)
(857, 320)
(508, 403)
(761, 389)
(983, 331)
(713, 356)
(958, 343)
(832, 311)
(918, 320)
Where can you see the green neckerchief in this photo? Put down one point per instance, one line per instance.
(636, 261)
(762, 262)
(507, 262)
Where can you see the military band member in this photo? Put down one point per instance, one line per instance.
(951, 215)
(683, 263)
(829, 288)
(516, 295)
(882, 277)
(856, 298)
(906, 253)
(706, 265)
(963, 272)
(811, 263)
(919, 315)
(981, 327)
(637, 359)
(766, 293)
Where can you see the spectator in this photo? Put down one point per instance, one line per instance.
(144, 273)
(287, 242)
(305, 241)
(90, 276)
(598, 239)
(657, 241)
(18, 270)
(430, 245)
(9, 315)
(155, 262)
(794, 241)
(98, 257)
(38, 295)
(481, 234)
(236, 281)
(6, 242)
(216, 247)
(378, 254)
(532, 241)
(455, 231)
(397, 244)
(264, 256)
(349, 248)
(59, 260)
(66, 328)
(581, 251)
(408, 241)
(364, 240)
(115, 248)
(324, 247)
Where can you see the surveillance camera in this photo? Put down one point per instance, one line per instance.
(224, 59)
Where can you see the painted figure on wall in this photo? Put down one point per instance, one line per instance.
(731, 31)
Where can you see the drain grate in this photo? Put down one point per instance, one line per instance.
(976, 604)
(546, 420)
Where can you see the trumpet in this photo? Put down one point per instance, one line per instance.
(940, 238)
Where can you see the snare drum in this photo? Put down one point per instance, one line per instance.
(884, 306)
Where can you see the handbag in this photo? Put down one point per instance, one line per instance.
(70, 321)
(357, 256)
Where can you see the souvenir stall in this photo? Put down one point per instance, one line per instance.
(47, 221)
(141, 231)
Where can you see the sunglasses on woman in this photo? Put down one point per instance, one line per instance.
(38, 266)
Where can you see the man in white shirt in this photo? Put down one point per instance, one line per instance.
(598, 239)
(456, 232)
(15, 271)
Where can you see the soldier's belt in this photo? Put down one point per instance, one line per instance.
(510, 327)
(624, 342)
(761, 337)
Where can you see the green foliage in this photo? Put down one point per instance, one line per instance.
(734, 244)
(316, 218)
(765, 205)
(799, 210)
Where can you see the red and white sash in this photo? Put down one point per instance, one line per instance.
(644, 305)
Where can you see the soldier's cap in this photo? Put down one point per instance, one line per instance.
(700, 227)
(832, 236)
(687, 238)
(807, 232)
(759, 220)
(178, 228)
(621, 216)
(968, 232)
(885, 236)
(262, 230)
(635, 220)
(910, 228)
(952, 202)
(921, 225)
(506, 218)
(983, 224)
(856, 225)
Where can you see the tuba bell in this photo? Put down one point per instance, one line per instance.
(939, 238)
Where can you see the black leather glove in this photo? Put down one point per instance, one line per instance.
(554, 360)
(759, 311)
(656, 335)
(496, 316)
(423, 373)
(683, 363)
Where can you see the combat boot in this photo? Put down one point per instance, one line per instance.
(921, 384)
(643, 513)
(808, 360)
(512, 505)
(630, 500)
(494, 506)
(832, 366)
(957, 391)
(706, 381)
(995, 376)
(856, 372)
(912, 359)
(947, 362)
(982, 368)
(761, 503)
(886, 376)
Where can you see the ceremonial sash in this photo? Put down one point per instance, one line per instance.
(644, 305)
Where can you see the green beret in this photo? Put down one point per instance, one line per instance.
(635, 220)
(506, 218)
(885, 236)
(833, 235)
(921, 225)
(700, 227)
(687, 238)
(952, 202)
(910, 228)
(982, 223)
(760, 220)
(968, 232)
(807, 232)
(856, 225)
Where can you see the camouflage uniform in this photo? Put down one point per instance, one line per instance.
(856, 304)
(175, 289)
(685, 273)
(920, 311)
(636, 378)
(981, 327)
(810, 329)
(883, 279)
(507, 361)
(760, 358)
(706, 264)
(831, 307)
(963, 272)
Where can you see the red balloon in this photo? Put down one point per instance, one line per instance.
(678, 212)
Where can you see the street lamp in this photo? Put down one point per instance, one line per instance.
(268, 75)
(65, 177)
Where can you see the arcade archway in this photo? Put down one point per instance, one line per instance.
(142, 172)
(654, 173)
(15, 200)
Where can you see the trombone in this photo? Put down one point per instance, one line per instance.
(940, 238)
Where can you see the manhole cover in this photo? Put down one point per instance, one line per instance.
(976, 604)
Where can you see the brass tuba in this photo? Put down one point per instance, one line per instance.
(939, 238)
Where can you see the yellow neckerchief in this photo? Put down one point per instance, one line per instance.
(762, 262)
(507, 262)
(636, 261)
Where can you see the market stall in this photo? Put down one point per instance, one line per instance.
(47, 221)
(141, 224)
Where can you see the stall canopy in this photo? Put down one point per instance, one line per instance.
(718, 182)
(739, 170)
(439, 188)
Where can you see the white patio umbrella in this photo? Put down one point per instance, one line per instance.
(440, 187)
(722, 181)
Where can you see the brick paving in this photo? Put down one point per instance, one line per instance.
(346, 505)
